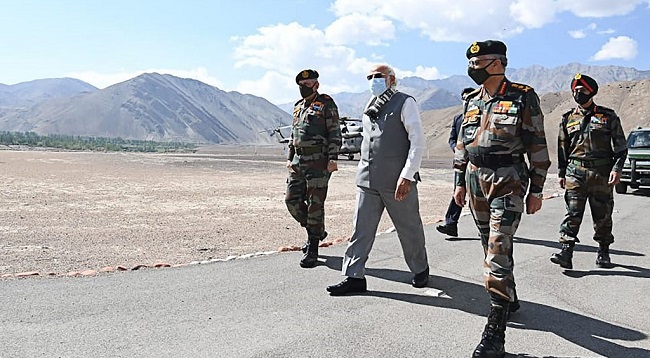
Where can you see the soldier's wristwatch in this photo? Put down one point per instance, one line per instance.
(539, 195)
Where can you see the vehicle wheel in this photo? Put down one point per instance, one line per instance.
(351, 157)
(621, 188)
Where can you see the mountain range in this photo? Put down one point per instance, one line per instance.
(148, 107)
(167, 108)
(443, 93)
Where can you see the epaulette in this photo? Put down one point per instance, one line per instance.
(324, 96)
(520, 87)
(601, 109)
(298, 101)
(475, 92)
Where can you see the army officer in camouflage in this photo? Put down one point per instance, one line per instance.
(590, 156)
(502, 123)
(312, 155)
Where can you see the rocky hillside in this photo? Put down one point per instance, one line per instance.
(154, 107)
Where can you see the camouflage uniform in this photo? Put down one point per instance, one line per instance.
(495, 134)
(591, 144)
(315, 139)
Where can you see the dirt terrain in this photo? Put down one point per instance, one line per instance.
(68, 212)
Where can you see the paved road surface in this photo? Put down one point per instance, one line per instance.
(269, 307)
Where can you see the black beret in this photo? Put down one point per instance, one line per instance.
(585, 81)
(489, 47)
(306, 75)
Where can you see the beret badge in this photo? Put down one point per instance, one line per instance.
(474, 48)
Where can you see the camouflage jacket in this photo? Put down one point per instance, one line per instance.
(591, 134)
(509, 124)
(316, 124)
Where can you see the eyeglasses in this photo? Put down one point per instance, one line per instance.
(375, 75)
(477, 62)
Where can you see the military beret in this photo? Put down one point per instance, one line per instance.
(489, 47)
(585, 81)
(306, 75)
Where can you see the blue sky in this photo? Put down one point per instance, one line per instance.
(258, 46)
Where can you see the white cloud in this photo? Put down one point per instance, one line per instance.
(428, 73)
(621, 47)
(582, 33)
(599, 8)
(285, 49)
(103, 80)
(534, 13)
(606, 32)
(577, 34)
(356, 28)
(470, 20)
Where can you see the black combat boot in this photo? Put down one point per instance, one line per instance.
(306, 244)
(564, 257)
(493, 341)
(310, 258)
(603, 260)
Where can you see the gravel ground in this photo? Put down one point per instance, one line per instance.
(66, 212)
(75, 211)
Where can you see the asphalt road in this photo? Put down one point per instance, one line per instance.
(268, 306)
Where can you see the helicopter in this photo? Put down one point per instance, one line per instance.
(351, 136)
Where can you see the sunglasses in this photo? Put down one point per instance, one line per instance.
(477, 63)
(375, 75)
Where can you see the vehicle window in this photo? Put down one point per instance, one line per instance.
(639, 140)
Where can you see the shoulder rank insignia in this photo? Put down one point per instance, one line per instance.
(524, 88)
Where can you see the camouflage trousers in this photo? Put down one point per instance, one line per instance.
(582, 185)
(496, 200)
(306, 194)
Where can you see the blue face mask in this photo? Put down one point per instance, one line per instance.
(377, 86)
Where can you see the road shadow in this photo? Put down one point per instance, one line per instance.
(452, 239)
(632, 271)
(640, 192)
(578, 248)
(592, 334)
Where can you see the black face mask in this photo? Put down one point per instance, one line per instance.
(306, 91)
(480, 75)
(581, 98)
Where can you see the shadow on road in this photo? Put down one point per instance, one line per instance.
(578, 247)
(592, 334)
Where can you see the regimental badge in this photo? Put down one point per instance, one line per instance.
(317, 106)
(474, 48)
(577, 76)
(305, 74)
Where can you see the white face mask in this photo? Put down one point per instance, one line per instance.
(377, 86)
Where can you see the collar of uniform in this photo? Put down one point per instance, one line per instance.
(306, 102)
(586, 111)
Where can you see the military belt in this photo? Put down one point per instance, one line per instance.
(496, 161)
(310, 150)
(591, 163)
